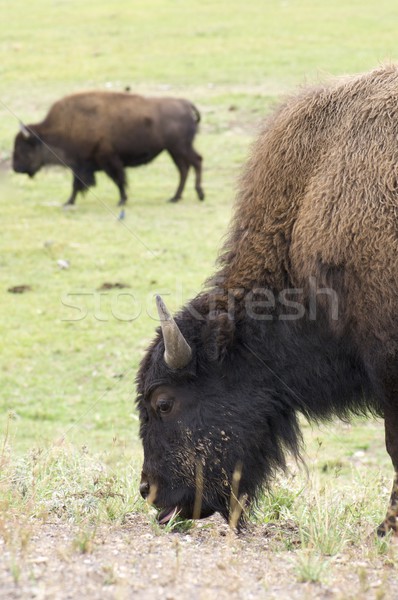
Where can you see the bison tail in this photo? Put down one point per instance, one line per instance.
(196, 113)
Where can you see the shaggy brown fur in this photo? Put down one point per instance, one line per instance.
(319, 197)
(107, 131)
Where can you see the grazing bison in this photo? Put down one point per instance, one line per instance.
(107, 131)
(301, 317)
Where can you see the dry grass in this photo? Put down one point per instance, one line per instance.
(310, 530)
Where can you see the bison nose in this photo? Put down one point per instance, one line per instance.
(144, 489)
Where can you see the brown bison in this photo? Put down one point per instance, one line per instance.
(301, 317)
(107, 131)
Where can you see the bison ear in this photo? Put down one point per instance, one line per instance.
(218, 335)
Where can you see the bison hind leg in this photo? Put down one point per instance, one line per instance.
(184, 158)
(390, 522)
(196, 161)
(183, 166)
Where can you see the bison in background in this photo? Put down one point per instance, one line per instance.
(107, 131)
(316, 221)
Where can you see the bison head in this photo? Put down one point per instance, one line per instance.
(210, 437)
(27, 155)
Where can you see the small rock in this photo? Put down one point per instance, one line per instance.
(63, 264)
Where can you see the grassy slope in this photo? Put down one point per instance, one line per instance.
(62, 377)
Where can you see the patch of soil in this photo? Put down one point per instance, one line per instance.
(111, 286)
(19, 289)
(136, 560)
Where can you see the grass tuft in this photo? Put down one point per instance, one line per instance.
(310, 567)
(84, 540)
(67, 483)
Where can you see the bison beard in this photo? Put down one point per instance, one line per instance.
(222, 386)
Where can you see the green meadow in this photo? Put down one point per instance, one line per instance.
(72, 342)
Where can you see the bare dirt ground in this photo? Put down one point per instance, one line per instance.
(208, 562)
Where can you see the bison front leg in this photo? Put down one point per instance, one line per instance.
(77, 186)
(390, 522)
(113, 167)
(82, 180)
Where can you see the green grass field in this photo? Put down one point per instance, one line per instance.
(61, 374)
(69, 350)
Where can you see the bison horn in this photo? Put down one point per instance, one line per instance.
(177, 351)
(24, 130)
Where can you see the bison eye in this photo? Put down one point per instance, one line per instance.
(164, 405)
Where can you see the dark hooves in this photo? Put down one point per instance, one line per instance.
(386, 528)
(174, 199)
(201, 195)
(381, 531)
